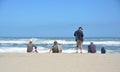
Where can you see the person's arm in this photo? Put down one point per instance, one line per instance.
(59, 49)
(35, 48)
(50, 50)
(75, 33)
(88, 49)
(82, 34)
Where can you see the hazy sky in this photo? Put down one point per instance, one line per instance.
(59, 18)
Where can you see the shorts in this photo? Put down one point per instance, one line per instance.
(79, 43)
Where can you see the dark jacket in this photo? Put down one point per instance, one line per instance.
(103, 51)
(78, 35)
(91, 48)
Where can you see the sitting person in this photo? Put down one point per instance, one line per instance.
(91, 48)
(56, 48)
(103, 51)
(30, 47)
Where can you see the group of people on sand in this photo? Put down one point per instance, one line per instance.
(79, 45)
(56, 48)
(79, 42)
(92, 48)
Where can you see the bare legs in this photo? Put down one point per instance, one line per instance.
(79, 44)
(77, 49)
(81, 47)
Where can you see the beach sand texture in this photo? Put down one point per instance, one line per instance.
(45, 62)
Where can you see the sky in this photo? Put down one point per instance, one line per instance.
(59, 18)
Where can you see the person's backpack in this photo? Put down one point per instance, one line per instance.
(103, 51)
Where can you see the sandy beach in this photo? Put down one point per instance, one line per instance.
(45, 62)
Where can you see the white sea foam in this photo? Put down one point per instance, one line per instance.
(12, 50)
(116, 43)
(19, 45)
(85, 42)
(16, 42)
(50, 41)
(40, 50)
(44, 50)
(59, 41)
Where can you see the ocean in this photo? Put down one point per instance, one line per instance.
(19, 44)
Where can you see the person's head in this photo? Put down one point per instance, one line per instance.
(55, 43)
(102, 47)
(91, 42)
(30, 42)
(103, 50)
(80, 28)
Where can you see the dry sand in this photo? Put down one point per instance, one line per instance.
(24, 62)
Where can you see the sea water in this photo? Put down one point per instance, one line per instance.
(68, 44)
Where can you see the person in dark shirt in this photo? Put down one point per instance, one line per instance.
(79, 39)
(30, 47)
(92, 48)
(103, 50)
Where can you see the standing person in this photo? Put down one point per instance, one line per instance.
(30, 47)
(92, 48)
(56, 48)
(79, 39)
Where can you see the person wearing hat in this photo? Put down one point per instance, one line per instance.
(30, 47)
(79, 39)
(91, 48)
(56, 48)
